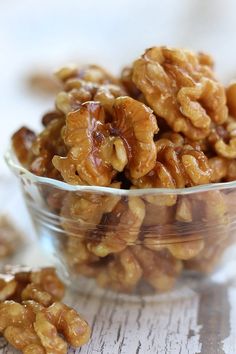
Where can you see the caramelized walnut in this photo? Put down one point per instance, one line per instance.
(219, 166)
(126, 80)
(91, 73)
(176, 167)
(121, 274)
(160, 268)
(231, 98)
(78, 91)
(22, 141)
(69, 323)
(35, 284)
(48, 143)
(211, 208)
(35, 329)
(136, 125)
(121, 228)
(181, 88)
(84, 135)
(223, 139)
(83, 211)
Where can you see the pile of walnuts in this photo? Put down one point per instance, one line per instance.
(32, 318)
(165, 122)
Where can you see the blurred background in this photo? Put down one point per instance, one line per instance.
(41, 35)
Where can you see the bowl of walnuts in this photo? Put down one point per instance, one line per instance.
(132, 179)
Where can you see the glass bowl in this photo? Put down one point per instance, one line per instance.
(131, 241)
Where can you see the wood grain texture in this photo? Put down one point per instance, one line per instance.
(229, 343)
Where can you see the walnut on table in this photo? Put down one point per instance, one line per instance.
(38, 329)
(31, 317)
(30, 283)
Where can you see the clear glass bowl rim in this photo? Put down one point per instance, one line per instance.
(18, 169)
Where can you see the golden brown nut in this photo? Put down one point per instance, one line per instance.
(84, 211)
(48, 117)
(106, 95)
(48, 280)
(121, 228)
(231, 174)
(211, 208)
(42, 83)
(35, 284)
(48, 335)
(23, 339)
(136, 125)
(77, 253)
(187, 249)
(223, 139)
(14, 314)
(69, 323)
(184, 211)
(35, 293)
(181, 88)
(160, 269)
(30, 326)
(158, 215)
(91, 73)
(84, 134)
(121, 274)
(48, 143)
(231, 98)
(176, 166)
(126, 80)
(219, 166)
(78, 91)
(22, 141)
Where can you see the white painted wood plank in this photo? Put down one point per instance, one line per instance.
(229, 344)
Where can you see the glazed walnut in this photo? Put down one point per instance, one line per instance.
(22, 141)
(212, 208)
(121, 274)
(223, 139)
(35, 329)
(176, 167)
(78, 91)
(181, 88)
(231, 98)
(86, 135)
(136, 125)
(90, 73)
(41, 285)
(121, 228)
(80, 211)
(48, 143)
(160, 269)
(126, 80)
